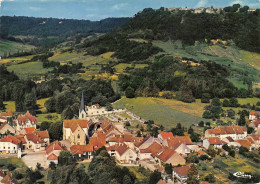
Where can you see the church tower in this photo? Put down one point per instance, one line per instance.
(82, 111)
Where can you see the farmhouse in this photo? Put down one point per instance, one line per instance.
(170, 156)
(215, 141)
(82, 150)
(254, 115)
(53, 151)
(24, 121)
(10, 144)
(181, 173)
(234, 131)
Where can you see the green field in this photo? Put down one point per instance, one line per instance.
(17, 162)
(241, 61)
(10, 47)
(26, 69)
(166, 112)
(50, 117)
(221, 167)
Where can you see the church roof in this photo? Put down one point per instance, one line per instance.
(82, 105)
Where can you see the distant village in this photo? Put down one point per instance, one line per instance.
(210, 10)
(83, 136)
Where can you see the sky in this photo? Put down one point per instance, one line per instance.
(100, 9)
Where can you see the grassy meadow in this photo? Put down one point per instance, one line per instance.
(166, 112)
(26, 69)
(11, 47)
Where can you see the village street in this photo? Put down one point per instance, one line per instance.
(32, 158)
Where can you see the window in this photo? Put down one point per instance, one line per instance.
(8, 147)
(78, 136)
(14, 147)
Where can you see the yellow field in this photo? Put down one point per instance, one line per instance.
(9, 105)
(107, 55)
(252, 58)
(15, 60)
(41, 102)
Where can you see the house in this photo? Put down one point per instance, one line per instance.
(7, 114)
(76, 131)
(29, 130)
(24, 121)
(165, 135)
(98, 141)
(181, 144)
(256, 125)
(5, 129)
(170, 156)
(123, 153)
(7, 179)
(181, 173)
(215, 141)
(34, 142)
(233, 131)
(153, 149)
(246, 143)
(53, 152)
(230, 141)
(10, 145)
(145, 143)
(255, 140)
(44, 135)
(254, 115)
(82, 150)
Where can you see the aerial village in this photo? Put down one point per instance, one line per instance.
(96, 128)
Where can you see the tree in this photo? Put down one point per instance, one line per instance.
(2, 106)
(65, 158)
(193, 175)
(201, 123)
(216, 102)
(226, 103)
(67, 113)
(232, 153)
(52, 166)
(233, 102)
(190, 130)
(129, 93)
(154, 177)
(211, 151)
(30, 100)
(45, 125)
(109, 106)
(11, 167)
(242, 119)
(168, 168)
(38, 166)
(195, 137)
(210, 178)
(205, 98)
(55, 131)
(50, 104)
(243, 150)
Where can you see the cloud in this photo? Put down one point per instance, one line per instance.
(119, 6)
(201, 3)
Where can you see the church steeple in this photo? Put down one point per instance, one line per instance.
(82, 104)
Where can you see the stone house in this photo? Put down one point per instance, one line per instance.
(53, 152)
(170, 156)
(82, 150)
(181, 173)
(215, 141)
(6, 128)
(24, 121)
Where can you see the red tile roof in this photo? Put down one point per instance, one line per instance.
(182, 171)
(244, 142)
(166, 154)
(221, 130)
(230, 139)
(175, 142)
(256, 137)
(52, 157)
(9, 180)
(29, 130)
(43, 134)
(74, 123)
(7, 114)
(21, 138)
(138, 144)
(11, 139)
(22, 119)
(161, 182)
(215, 141)
(165, 135)
(153, 149)
(200, 152)
(34, 138)
(121, 149)
(3, 125)
(255, 113)
(98, 141)
(56, 145)
(80, 149)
